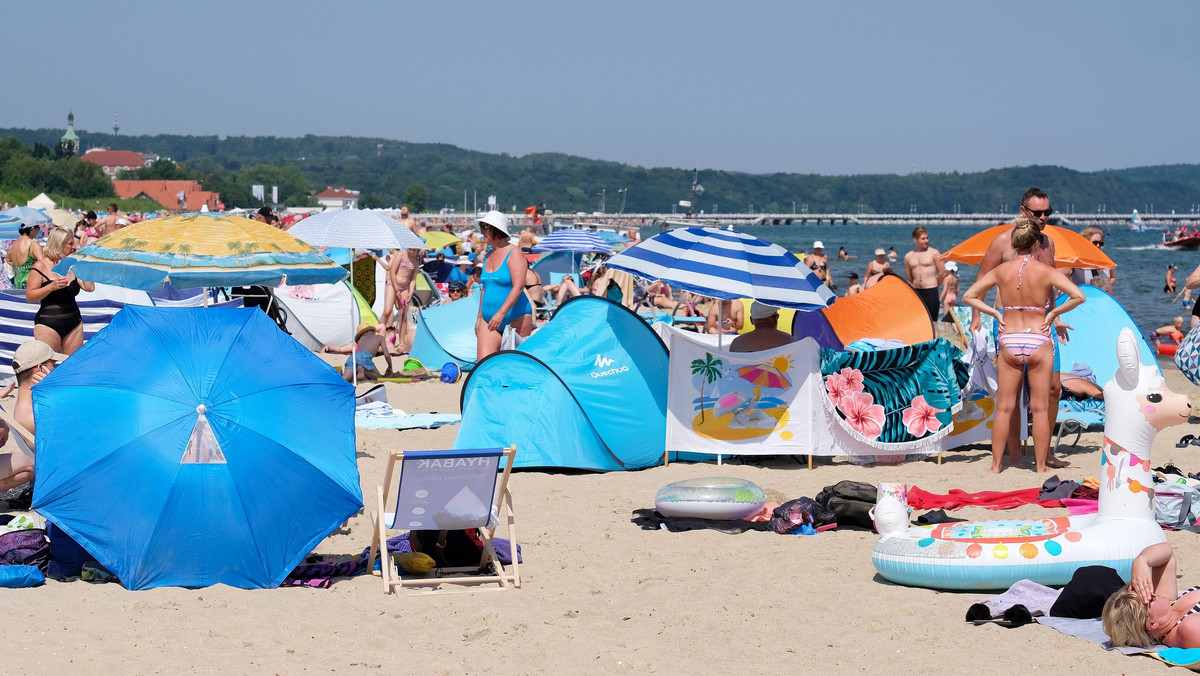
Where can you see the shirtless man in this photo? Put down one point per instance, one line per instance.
(409, 222)
(724, 316)
(108, 224)
(526, 241)
(876, 268)
(765, 335)
(818, 262)
(924, 269)
(398, 291)
(1035, 204)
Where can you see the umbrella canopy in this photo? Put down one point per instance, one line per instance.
(355, 228)
(1071, 250)
(9, 226)
(440, 239)
(202, 249)
(224, 455)
(764, 375)
(726, 264)
(63, 218)
(30, 215)
(579, 241)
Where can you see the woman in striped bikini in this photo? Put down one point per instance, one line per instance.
(1150, 610)
(1025, 289)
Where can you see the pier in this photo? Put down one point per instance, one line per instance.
(1074, 221)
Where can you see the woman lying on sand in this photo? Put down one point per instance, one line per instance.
(1147, 611)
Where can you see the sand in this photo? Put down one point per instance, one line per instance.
(600, 595)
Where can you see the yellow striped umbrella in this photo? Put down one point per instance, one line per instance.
(200, 249)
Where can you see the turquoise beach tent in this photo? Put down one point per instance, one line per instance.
(1096, 324)
(586, 391)
(446, 333)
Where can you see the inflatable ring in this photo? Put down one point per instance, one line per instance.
(996, 554)
(721, 498)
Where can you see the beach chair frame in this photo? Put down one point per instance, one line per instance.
(501, 506)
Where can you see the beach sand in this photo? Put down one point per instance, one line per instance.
(600, 595)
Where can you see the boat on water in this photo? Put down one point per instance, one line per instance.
(1185, 238)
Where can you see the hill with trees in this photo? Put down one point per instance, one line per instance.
(434, 176)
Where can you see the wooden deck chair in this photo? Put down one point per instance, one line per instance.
(447, 490)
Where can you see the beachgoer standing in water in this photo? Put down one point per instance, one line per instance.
(924, 269)
(818, 262)
(1169, 287)
(876, 268)
(1035, 204)
(855, 287)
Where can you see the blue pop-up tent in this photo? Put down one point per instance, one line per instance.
(587, 391)
(446, 333)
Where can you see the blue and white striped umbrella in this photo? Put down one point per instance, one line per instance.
(30, 215)
(726, 264)
(8, 227)
(355, 228)
(577, 241)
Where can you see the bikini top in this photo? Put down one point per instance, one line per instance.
(1026, 307)
(1194, 609)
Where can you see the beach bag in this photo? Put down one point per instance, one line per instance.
(451, 372)
(799, 512)
(851, 501)
(1177, 506)
(449, 548)
(1187, 356)
(27, 547)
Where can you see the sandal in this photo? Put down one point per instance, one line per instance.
(1185, 440)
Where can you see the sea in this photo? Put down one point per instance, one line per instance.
(1140, 257)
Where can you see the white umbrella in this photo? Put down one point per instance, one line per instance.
(355, 228)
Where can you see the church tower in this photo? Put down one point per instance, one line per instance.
(69, 143)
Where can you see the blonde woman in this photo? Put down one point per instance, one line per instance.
(58, 322)
(1150, 610)
(1026, 287)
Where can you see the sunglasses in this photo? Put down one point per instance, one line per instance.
(1098, 244)
(1037, 213)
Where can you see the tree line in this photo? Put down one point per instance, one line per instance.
(435, 176)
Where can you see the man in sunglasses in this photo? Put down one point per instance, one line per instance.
(1035, 204)
(1103, 279)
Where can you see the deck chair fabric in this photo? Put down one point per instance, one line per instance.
(442, 491)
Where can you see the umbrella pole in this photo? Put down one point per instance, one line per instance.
(353, 326)
(720, 340)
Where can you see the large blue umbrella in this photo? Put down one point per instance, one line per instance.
(726, 264)
(578, 241)
(193, 446)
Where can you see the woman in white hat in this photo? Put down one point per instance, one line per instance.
(502, 301)
(949, 291)
(818, 262)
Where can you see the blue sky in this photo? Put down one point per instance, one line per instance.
(807, 87)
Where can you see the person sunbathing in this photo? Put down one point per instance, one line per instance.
(1149, 610)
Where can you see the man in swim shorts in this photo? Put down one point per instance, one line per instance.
(1035, 204)
(924, 269)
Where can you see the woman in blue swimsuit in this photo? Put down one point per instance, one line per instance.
(1150, 610)
(502, 302)
(1025, 286)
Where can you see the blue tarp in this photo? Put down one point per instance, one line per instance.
(587, 391)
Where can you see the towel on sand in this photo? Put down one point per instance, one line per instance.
(379, 415)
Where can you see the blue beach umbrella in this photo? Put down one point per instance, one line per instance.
(726, 264)
(577, 241)
(9, 226)
(194, 446)
(28, 214)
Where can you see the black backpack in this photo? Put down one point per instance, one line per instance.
(851, 501)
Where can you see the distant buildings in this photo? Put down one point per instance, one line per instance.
(112, 161)
(69, 143)
(185, 195)
(338, 198)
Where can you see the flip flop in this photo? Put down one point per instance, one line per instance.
(1184, 441)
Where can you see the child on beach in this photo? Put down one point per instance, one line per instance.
(367, 345)
(949, 291)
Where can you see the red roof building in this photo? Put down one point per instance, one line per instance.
(173, 195)
(112, 161)
(338, 198)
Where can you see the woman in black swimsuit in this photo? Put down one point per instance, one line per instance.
(58, 322)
